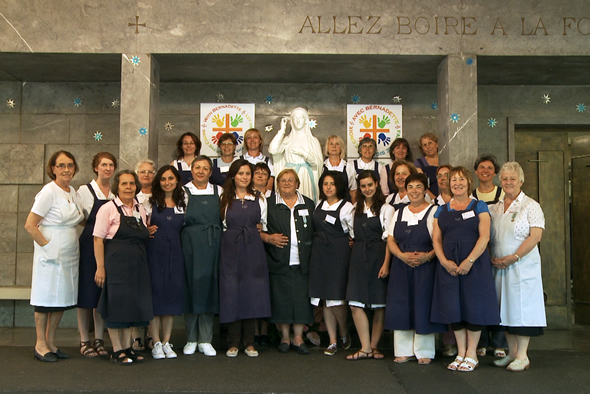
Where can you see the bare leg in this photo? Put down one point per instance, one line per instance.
(378, 324)
(472, 342)
(331, 323)
(54, 319)
(154, 329)
(40, 327)
(341, 312)
(512, 345)
(361, 322)
(126, 338)
(83, 323)
(461, 338)
(522, 347)
(115, 335)
(98, 325)
(285, 331)
(297, 334)
(167, 323)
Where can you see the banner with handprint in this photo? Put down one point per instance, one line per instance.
(383, 123)
(220, 118)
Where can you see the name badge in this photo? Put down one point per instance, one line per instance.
(468, 214)
(137, 216)
(303, 212)
(330, 219)
(178, 210)
(413, 221)
(224, 169)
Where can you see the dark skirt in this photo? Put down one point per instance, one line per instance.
(288, 297)
(328, 268)
(364, 284)
(51, 309)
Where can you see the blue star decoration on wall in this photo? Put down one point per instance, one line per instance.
(356, 99)
(143, 131)
(469, 61)
(77, 102)
(492, 122)
(268, 99)
(135, 60)
(455, 118)
(97, 136)
(434, 106)
(581, 107)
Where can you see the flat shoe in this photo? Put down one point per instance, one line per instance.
(61, 355)
(468, 365)
(284, 347)
(232, 353)
(455, 364)
(481, 351)
(424, 361)
(301, 349)
(519, 365)
(499, 353)
(503, 362)
(251, 353)
(403, 359)
(47, 357)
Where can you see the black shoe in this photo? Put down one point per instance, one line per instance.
(47, 357)
(61, 355)
(264, 340)
(257, 339)
(284, 347)
(301, 349)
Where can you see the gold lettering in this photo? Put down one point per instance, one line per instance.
(350, 25)
(320, 26)
(522, 31)
(447, 25)
(540, 23)
(400, 25)
(498, 22)
(371, 28)
(466, 25)
(436, 19)
(338, 32)
(580, 31)
(427, 25)
(304, 25)
(567, 25)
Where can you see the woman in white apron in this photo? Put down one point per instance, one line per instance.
(518, 224)
(52, 224)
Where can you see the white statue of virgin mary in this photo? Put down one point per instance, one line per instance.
(299, 150)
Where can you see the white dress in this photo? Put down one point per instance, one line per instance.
(520, 286)
(55, 265)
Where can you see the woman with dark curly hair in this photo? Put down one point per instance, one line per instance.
(188, 147)
(398, 150)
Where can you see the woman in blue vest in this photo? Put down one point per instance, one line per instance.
(398, 150)
(188, 146)
(429, 162)
(227, 146)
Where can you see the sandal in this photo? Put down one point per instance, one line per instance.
(424, 361)
(134, 356)
(481, 351)
(137, 344)
(87, 350)
(500, 353)
(377, 355)
(468, 365)
(403, 359)
(99, 347)
(455, 364)
(121, 358)
(360, 355)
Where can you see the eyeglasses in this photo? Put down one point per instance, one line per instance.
(286, 181)
(69, 166)
(445, 175)
(145, 172)
(227, 143)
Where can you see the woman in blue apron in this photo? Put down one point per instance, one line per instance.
(369, 265)
(398, 150)
(330, 258)
(122, 270)
(201, 243)
(464, 291)
(165, 259)
(52, 225)
(400, 170)
(188, 147)
(411, 278)
(227, 144)
(334, 150)
(429, 162)
(367, 149)
(244, 293)
(92, 196)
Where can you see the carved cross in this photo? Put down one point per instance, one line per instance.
(137, 24)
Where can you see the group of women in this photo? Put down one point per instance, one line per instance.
(222, 243)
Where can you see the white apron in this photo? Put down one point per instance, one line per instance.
(520, 286)
(55, 265)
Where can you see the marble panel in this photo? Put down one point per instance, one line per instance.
(21, 164)
(111, 92)
(6, 313)
(9, 128)
(7, 269)
(83, 128)
(166, 153)
(45, 129)
(24, 315)
(10, 91)
(9, 198)
(24, 269)
(181, 123)
(24, 241)
(83, 155)
(62, 97)
(26, 196)
(8, 232)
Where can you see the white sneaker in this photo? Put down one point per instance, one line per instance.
(207, 349)
(157, 351)
(190, 348)
(167, 347)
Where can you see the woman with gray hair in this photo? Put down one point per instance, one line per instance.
(334, 152)
(367, 148)
(518, 228)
